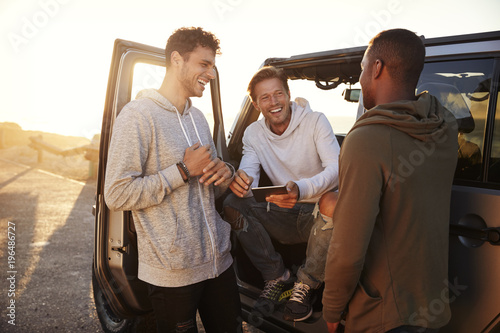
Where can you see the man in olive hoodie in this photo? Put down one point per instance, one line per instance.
(162, 166)
(388, 257)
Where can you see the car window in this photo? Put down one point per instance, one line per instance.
(463, 88)
(340, 113)
(494, 169)
(147, 76)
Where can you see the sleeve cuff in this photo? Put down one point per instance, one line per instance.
(172, 177)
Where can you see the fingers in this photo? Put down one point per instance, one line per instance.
(198, 148)
(223, 173)
(226, 175)
(215, 172)
(195, 146)
(239, 189)
(197, 158)
(293, 189)
(283, 203)
(207, 170)
(244, 177)
(286, 200)
(241, 183)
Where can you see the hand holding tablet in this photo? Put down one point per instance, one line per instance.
(260, 193)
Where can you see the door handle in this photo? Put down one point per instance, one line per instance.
(491, 235)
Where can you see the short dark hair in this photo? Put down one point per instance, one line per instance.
(185, 40)
(402, 52)
(265, 73)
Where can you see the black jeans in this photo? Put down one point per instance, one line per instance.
(217, 300)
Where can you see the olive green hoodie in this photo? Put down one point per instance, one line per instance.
(388, 256)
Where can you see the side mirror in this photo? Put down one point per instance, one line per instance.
(351, 95)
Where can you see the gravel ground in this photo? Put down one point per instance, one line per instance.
(53, 251)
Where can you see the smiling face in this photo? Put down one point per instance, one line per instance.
(196, 71)
(272, 99)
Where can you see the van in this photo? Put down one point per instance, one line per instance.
(463, 72)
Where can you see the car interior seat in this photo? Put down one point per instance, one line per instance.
(469, 153)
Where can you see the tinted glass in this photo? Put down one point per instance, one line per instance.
(463, 88)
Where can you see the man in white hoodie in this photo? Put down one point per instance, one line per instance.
(162, 166)
(295, 147)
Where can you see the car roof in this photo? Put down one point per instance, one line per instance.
(343, 65)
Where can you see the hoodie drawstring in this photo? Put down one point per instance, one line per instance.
(184, 130)
(210, 233)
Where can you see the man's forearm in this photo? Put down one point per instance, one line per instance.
(133, 193)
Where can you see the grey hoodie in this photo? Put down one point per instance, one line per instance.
(181, 237)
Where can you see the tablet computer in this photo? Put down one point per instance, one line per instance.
(260, 193)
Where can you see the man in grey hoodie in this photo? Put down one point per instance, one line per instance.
(388, 257)
(162, 166)
(296, 147)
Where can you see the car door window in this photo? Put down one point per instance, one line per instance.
(463, 88)
(146, 76)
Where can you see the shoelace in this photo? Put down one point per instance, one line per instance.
(300, 291)
(269, 289)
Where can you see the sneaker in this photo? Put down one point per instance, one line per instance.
(299, 306)
(271, 294)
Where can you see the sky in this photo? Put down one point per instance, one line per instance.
(55, 54)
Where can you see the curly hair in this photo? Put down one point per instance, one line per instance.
(265, 73)
(185, 40)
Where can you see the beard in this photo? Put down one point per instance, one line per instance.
(187, 83)
(368, 102)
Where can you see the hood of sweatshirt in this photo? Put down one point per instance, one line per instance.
(160, 100)
(300, 107)
(424, 119)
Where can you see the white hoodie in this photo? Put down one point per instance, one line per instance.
(306, 153)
